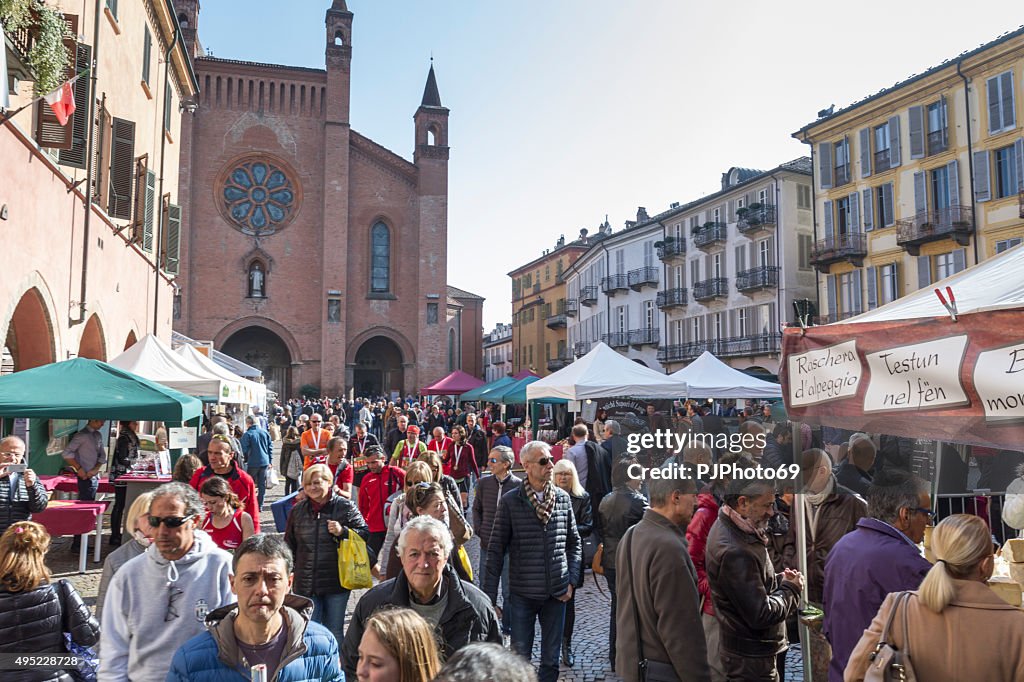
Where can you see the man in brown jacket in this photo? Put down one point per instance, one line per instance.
(658, 601)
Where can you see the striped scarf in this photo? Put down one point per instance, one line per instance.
(544, 507)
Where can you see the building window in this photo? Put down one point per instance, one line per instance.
(849, 293)
(1005, 244)
(803, 197)
(884, 206)
(650, 320)
(695, 329)
(937, 140)
(806, 242)
(717, 215)
(741, 322)
(431, 313)
(380, 265)
(1006, 172)
(147, 47)
(841, 153)
(842, 215)
(547, 273)
(882, 147)
(940, 188)
(764, 253)
(1000, 103)
(889, 291)
(945, 265)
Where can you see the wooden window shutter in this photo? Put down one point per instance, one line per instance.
(894, 141)
(825, 165)
(982, 188)
(172, 238)
(833, 299)
(829, 231)
(49, 132)
(872, 288)
(147, 47)
(920, 192)
(995, 119)
(865, 152)
(855, 212)
(917, 132)
(944, 121)
(168, 99)
(149, 217)
(100, 155)
(122, 168)
(79, 123)
(1009, 117)
(889, 216)
(924, 271)
(953, 174)
(139, 215)
(731, 216)
(868, 210)
(1018, 153)
(858, 301)
(959, 260)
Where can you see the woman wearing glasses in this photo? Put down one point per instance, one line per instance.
(568, 480)
(316, 526)
(227, 522)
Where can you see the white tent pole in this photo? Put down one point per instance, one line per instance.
(798, 515)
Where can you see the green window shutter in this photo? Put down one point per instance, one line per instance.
(167, 106)
(150, 211)
(139, 216)
(122, 168)
(147, 48)
(172, 239)
(79, 123)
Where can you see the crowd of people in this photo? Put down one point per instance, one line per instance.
(703, 576)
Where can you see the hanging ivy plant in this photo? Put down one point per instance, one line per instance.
(16, 14)
(48, 56)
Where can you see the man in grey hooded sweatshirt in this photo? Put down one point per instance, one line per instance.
(160, 599)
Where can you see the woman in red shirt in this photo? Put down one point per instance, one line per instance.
(459, 457)
(226, 522)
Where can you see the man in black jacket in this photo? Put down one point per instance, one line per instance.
(460, 613)
(489, 490)
(536, 526)
(477, 438)
(21, 493)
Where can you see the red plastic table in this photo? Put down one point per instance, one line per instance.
(74, 517)
(69, 484)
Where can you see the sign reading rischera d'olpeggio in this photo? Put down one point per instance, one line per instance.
(919, 376)
(824, 374)
(999, 380)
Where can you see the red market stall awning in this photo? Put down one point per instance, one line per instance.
(456, 383)
(908, 369)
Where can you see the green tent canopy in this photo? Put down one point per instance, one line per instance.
(478, 393)
(515, 393)
(90, 389)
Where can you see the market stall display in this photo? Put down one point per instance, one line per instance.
(603, 373)
(74, 517)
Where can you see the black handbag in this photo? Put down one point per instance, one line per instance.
(649, 670)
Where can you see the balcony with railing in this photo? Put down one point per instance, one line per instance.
(581, 348)
(572, 307)
(883, 160)
(841, 175)
(670, 249)
(956, 222)
(755, 218)
(711, 234)
(556, 321)
(711, 288)
(938, 141)
(749, 345)
(616, 339)
(563, 360)
(588, 295)
(851, 246)
(611, 284)
(763, 277)
(644, 337)
(673, 353)
(643, 277)
(671, 298)
(18, 44)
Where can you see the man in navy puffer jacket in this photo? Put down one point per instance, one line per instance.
(267, 625)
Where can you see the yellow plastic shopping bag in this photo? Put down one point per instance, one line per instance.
(354, 563)
(464, 560)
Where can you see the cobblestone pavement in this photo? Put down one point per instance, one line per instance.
(590, 640)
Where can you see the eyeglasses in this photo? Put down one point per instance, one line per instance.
(493, 460)
(169, 521)
(927, 512)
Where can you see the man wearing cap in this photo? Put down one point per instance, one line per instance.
(409, 449)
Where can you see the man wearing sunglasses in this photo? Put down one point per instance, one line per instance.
(160, 599)
(535, 525)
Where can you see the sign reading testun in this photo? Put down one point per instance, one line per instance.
(825, 374)
(999, 380)
(918, 376)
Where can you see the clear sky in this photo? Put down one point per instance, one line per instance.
(563, 111)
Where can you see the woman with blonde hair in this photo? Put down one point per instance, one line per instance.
(398, 645)
(34, 612)
(137, 525)
(952, 603)
(388, 564)
(567, 478)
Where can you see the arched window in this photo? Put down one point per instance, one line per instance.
(339, 38)
(380, 265)
(432, 136)
(452, 366)
(183, 20)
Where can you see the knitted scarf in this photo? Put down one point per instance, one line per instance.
(545, 507)
(743, 524)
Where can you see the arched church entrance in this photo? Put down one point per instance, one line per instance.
(29, 341)
(267, 352)
(378, 369)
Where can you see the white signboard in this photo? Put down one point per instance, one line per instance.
(183, 437)
(999, 380)
(919, 376)
(824, 375)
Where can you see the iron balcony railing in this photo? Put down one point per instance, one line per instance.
(644, 337)
(613, 283)
(556, 321)
(588, 295)
(736, 346)
(671, 298)
(616, 339)
(581, 348)
(709, 235)
(710, 288)
(563, 360)
(763, 277)
(572, 306)
(934, 224)
(642, 277)
(671, 248)
(883, 160)
(673, 353)
(841, 175)
(754, 219)
(852, 246)
(938, 142)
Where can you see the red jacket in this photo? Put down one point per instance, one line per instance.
(241, 483)
(467, 462)
(374, 492)
(697, 537)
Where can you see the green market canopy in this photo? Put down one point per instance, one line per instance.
(515, 393)
(90, 389)
(478, 393)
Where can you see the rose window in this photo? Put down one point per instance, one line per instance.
(259, 197)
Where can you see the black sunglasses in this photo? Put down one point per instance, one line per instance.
(544, 461)
(169, 521)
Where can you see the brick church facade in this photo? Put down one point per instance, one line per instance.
(311, 251)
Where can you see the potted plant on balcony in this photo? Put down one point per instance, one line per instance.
(48, 56)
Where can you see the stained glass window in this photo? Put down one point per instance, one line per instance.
(380, 265)
(259, 197)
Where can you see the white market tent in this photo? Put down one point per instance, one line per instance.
(239, 389)
(603, 373)
(152, 359)
(709, 377)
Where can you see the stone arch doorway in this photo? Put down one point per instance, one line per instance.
(378, 368)
(93, 344)
(267, 352)
(29, 341)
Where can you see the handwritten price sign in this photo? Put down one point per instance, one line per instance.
(919, 376)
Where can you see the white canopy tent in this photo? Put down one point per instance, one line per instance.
(603, 373)
(239, 389)
(152, 359)
(709, 377)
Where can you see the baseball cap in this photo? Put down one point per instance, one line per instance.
(413, 429)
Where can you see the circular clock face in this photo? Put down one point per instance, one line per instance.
(258, 195)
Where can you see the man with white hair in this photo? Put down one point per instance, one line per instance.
(21, 492)
(460, 613)
(535, 525)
